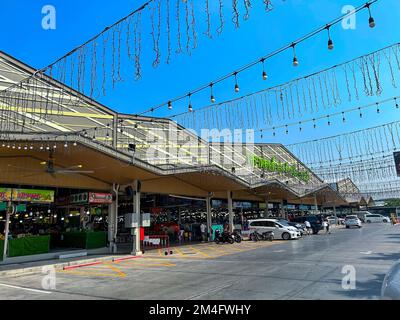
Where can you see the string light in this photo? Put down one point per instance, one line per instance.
(295, 60)
(190, 103)
(397, 105)
(264, 74)
(377, 108)
(212, 98)
(371, 20)
(169, 105)
(330, 42)
(237, 89)
(274, 53)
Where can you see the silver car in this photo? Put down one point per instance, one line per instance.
(391, 284)
(353, 221)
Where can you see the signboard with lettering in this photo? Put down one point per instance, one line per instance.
(28, 195)
(5, 194)
(272, 165)
(100, 198)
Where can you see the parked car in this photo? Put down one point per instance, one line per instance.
(299, 226)
(371, 218)
(335, 220)
(280, 229)
(391, 284)
(353, 221)
(315, 221)
(361, 214)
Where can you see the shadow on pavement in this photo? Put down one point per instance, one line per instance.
(370, 289)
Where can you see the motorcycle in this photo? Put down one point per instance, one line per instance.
(265, 236)
(237, 236)
(224, 237)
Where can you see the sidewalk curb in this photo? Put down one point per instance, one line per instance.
(57, 266)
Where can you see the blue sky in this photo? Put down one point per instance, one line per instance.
(264, 32)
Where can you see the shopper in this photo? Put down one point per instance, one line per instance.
(327, 227)
(308, 227)
(203, 230)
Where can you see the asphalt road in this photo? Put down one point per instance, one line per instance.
(309, 268)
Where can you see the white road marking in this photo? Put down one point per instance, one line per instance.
(366, 252)
(22, 288)
(278, 251)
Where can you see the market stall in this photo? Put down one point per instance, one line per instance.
(84, 239)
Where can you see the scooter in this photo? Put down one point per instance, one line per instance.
(266, 236)
(224, 237)
(237, 236)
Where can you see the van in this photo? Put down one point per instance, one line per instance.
(361, 214)
(280, 228)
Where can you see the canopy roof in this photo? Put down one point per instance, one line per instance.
(37, 112)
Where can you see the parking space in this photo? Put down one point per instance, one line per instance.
(157, 260)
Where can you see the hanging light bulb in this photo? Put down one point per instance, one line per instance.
(190, 103)
(31, 147)
(329, 122)
(41, 148)
(300, 128)
(295, 60)
(66, 145)
(237, 89)
(264, 74)
(397, 105)
(344, 119)
(377, 108)
(361, 115)
(169, 105)
(330, 41)
(314, 125)
(212, 98)
(273, 133)
(371, 20)
(287, 130)
(75, 144)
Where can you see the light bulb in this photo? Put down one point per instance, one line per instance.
(212, 99)
(330, 44)
(265, 76)
(372, 23)
(295, 62)
(237, 89)
(169, 105)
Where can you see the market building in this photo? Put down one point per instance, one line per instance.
(73, 170)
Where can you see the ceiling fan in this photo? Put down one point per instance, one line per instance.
(50, 168)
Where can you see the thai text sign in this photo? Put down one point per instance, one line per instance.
(28, 195)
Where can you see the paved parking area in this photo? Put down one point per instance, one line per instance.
(309, 268)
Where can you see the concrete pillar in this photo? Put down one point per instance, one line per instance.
(113, 220)
(334, 213)
(315, 203)
(209, 218)
(136, 231)
(7, 228)
(281, 210)
(230, 211)
(266, 209)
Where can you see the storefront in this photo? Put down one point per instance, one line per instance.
(42, 221)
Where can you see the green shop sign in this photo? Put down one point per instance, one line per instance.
(272, 165)
(26, 195)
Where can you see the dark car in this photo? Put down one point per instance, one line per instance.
(315, 221)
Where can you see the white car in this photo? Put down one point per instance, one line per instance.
(352, 221)
(370, 218)
(281, 229)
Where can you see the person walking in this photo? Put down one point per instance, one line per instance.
(203, 230)
(327, 227)
(308, 227)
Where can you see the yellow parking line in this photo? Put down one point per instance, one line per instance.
(167, 264)
(115, 269)
(201, 252)
(95, 274)
(180, 252)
